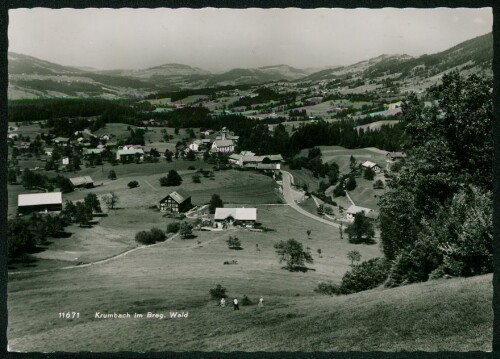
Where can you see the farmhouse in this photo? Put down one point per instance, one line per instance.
(82, 182)
(247, 159)
(369, 164)
(63, 141)
(245, 216)
(224, 146)
(392, 158)
(88, 152)
(177, 201)
(352, 210)
(39, 202)
(130, 152)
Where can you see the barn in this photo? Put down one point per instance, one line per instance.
(245, 216)
(82, 182)
(39, 202)
(177, 201)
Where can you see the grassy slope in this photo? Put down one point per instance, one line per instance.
(438, 315)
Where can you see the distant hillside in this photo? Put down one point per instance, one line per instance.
(407, 72)
(32, 77)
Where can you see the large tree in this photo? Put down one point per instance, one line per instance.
(449, 153)
(361, 230)
(293, 254)
(215, 202)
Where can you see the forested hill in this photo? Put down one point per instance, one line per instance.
(30, 77)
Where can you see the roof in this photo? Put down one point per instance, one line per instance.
(396, 155)
(239, 214)
(268, 166)
(355, 209)
(78, 181)
(223, 143)
(87, 151)
(178, 196)
(61, 139)
(37, 199)
(132, 151)
(369, 164)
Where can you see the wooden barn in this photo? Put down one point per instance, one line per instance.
(177, 201)
(82, 182)
(39, 202)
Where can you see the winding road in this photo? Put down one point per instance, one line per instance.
(291, 196)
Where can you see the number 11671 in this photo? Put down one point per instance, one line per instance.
(69, 315)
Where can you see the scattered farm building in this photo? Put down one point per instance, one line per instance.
(245, 216)
(369, 164)
(39, 202)
(49, 151)
(130, 151)
(82, 182)
(392, 158)
(87, 152)
(352, 210)
(224, 146)
(247, 159)
(62, 141)
(177, 201)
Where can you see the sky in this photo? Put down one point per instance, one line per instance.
(221, 39)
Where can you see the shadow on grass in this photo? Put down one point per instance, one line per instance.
(100, 214)
(62, 235)
(236, 248)
(190, 236)
(299, 269)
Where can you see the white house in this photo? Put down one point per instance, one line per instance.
(369, 164)
(195, 146)
(352, 210)
(246, 216)
(224, 146)
(39, 202)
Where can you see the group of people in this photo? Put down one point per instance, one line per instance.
(236, 303)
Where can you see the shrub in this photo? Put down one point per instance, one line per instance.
(144, 237)
(328, 289)
(173, 227)
(151, 237)
(112, 175)
(378, 184)
(196, 179)
(133, 184)
(218, 292)
(364, 276)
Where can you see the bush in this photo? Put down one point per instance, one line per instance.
(378, 184)
(364, 276)
(328, 289)
(173, 227)
(218, 292)
(153, 236)
(144, 237)
(196, 179)
(133, 184)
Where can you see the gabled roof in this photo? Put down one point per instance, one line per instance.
(369, 164)
(36, 199)
(396, 155)
(132, 151)
(178, 196)
(239, 214)
(223, 143)
(78, 181)
(355, 209)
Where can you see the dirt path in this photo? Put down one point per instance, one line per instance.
(122, 254)
(291, 196)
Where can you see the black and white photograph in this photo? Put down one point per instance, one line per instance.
(222, 180)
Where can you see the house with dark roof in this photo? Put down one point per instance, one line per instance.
(82, 182)
(176, 201)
